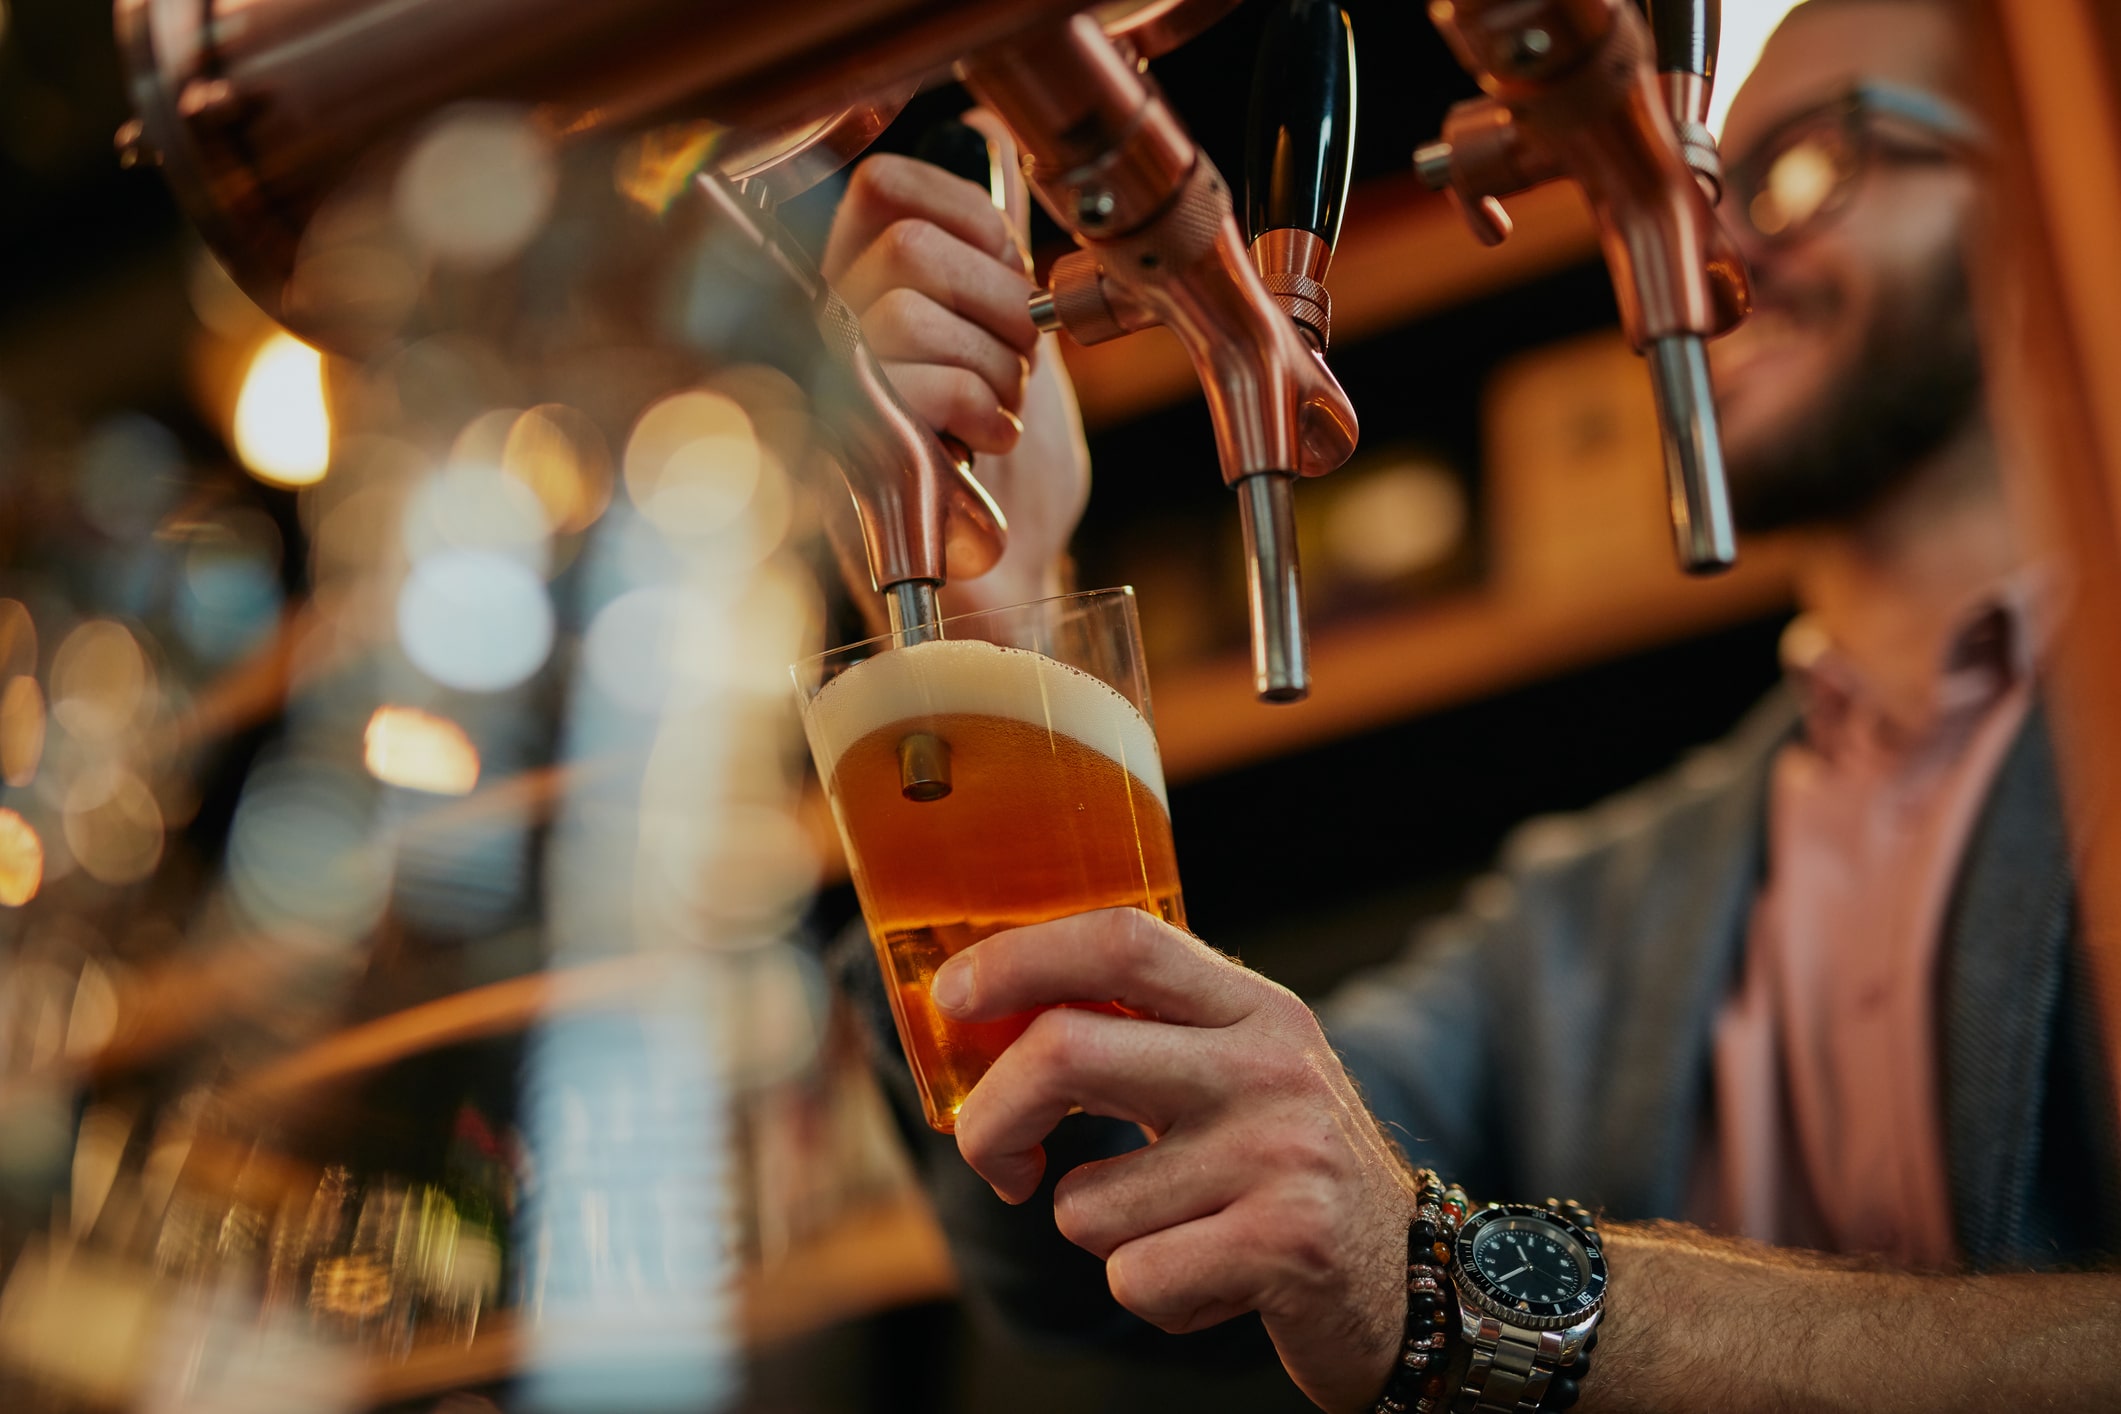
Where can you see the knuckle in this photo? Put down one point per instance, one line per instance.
(1132, 942)
(1059, 1039)
(1079, 1218)
(881, 178)
(1306, 1226)
(1304, 1150)
(905, 242)
(1140, 1290)
(970, 397)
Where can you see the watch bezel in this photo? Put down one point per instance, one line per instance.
(1529, 1315)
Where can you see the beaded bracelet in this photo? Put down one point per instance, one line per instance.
(1417, 1384)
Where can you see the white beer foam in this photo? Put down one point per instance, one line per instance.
(967, 675)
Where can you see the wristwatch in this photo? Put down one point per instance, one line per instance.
(1531, 1285)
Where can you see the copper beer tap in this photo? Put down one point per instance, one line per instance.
(256, 110)
(1573, 89)
(1160, 245)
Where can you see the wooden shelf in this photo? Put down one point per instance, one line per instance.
(1404, 252)
(1367, 674)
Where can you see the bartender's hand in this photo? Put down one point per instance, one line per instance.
(941, 280)
(1267, 1186)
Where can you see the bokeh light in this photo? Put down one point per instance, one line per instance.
(301, 853)
(229, 597)
(693, 462)
(18, 638)
(404, 746)
(113, 825)
(282, 424)
(21, 730)
(1395, 520)
(477, 508)
(21, 860)
(560, 455)
(475, 620)
(476, 187)
(131, 472)
(1746, 26)
(100, 680)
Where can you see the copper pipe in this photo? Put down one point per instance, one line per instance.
(257, 109)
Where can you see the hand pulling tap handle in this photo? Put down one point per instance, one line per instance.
(963, 151)
(922, 515)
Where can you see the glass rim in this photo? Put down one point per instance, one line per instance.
(1122, 590)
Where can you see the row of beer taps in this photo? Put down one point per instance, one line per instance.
(256, 107)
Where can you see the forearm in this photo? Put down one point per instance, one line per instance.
(1699, 1322)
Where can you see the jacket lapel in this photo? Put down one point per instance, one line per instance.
(1689, 932)
(2005, 956)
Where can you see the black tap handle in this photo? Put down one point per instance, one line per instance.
(1687, 33)
(1300, 150)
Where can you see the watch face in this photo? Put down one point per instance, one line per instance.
(1531, 1266)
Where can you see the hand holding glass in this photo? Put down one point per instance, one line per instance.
(1002, 775)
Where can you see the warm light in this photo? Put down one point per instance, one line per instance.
(1394, 521)
(1746, 27)
(21, 730)
(21, 860)
(18, 638)
(420, 751)
(558, 453)
(693, 463)
(100, 679)
(283, 428)
(113, 825)
(476, 187)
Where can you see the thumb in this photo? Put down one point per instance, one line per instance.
(1002, 152)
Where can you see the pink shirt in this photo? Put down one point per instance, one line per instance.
(1828, 1128)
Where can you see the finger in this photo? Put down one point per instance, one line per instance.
(1142, 1071)
(1192, 1276)
(959, 402)
(966, 281)
(1119, 955)
(908, 327)
(888, 188)
(1191, 1174)
(1016, 196)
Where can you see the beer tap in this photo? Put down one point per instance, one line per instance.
(1570, 90)
(1160, 245)
(257, 110)
(923, 516)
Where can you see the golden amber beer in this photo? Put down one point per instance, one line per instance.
(980, 786)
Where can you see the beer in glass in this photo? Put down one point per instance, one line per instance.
(1003, 774)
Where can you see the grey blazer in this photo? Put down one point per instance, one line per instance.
(1552, 1037)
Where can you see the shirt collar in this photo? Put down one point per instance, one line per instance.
(1988, 644)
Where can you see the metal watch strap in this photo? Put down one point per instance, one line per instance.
(1510, 1371)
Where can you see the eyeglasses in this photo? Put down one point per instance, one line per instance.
(1804, 172)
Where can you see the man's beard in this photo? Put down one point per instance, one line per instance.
(1914, 384)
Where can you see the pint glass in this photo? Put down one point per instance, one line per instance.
(1003, 774)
